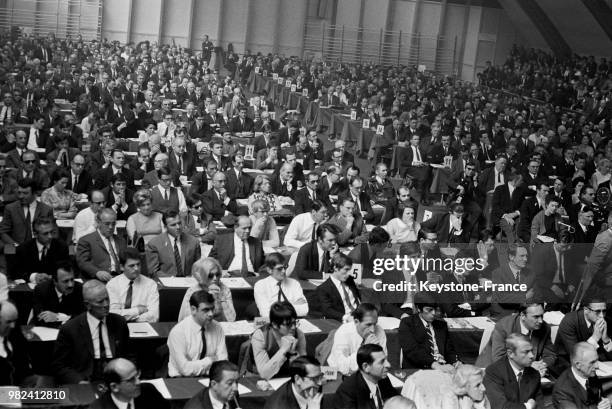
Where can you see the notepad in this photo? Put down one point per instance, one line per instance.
(277, 382)
(241, 327)
(161, 387)
(605, 369)
(45, 333)
(241, 388)
(388, 323)
(69, 223)
(235, 282)
(308, 327)
(141, 330)
(180, 282)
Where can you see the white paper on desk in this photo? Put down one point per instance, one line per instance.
(378, 207)
(308, 327)
(277, 382)
(161, 387)
(553, 317)
(235, 282)
(369, 227)
(218, 224)
(605, 369)
(45, 334)
(69, 223)
(480, 322)
(32, 285)
(141, 330)
(388, 323)
(316, 281)
(436, 166)
(241, 327)
(4, 397)
(269, 250)
(241, 388)
(242, 202)
(458, 323)
(181, 282)
(121, 224)
(395, 381)
(545, 381)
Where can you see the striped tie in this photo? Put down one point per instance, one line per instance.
(430, 340)
(177, 260)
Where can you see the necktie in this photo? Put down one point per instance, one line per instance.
(281, 294)
(76, 182)
(518, 277)
(180, 164)
(314, 232)
(379, 400)
(203, 352)
(418, 154)
(166, 194)
(347, 298)
(499, 178)
(113, 254)
(519, 376)
(28, 224)
(43, 253)
(325, 263)
(430, 339)
(65, 160)
(244, 269)
(177, 260)
(128, 296)
(101, 340)
(129, 406)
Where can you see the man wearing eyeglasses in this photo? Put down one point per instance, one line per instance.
(124, 389)
(304, 389)
(80, 179)
(29, 170)
(590, 324)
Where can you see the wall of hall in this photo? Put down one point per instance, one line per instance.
(471, 31)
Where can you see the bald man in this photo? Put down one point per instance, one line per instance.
(239, 253)
(87, 342)
(579, 387)
(124, 390)
(15, 367)
(399, 402)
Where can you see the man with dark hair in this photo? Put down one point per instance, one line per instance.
(38, 258)
(124, 389)
(216, 201)
(119, 197)
(355, 192)
(203, 181)
(314, 258)
(304, 388)
(338, 296)
(425, 341)
(198, 340)
(173, 252)
(30, 171)
(238, 184)
(369, 387)
(222, 391)
(242, 123)
(303, 226)
(514, 271)
(164, 196)
(451, 227)
(56, 301)
(511, 382)
(402, 198)
(117, 162)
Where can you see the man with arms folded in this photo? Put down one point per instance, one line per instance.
(132, 295)
(351, 335)
(55, 301)
(197, 341)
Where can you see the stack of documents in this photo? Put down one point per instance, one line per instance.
(235, 282)
(242, 327)
(141, 330)
(45, 334)
(179, 282)
(307, 327)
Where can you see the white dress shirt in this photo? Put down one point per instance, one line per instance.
(345, 302)
(84, 223)
(181, 198)
(144, 292)
(299, 231)
(343, 354)
(121, 404)
(266, 293)
(185, 346)
(581, 379)
(3, 351)
(93, 323)
(216, 403)
(236, 263)
(32, 144)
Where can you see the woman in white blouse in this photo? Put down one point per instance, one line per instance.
(405, 228)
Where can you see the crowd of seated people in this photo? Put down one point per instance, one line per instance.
(518, 185)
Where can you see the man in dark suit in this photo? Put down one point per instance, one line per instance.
(122, 380)
(97, 253)
(223, 388)
(238, 184)
(511, 382)
(413, 162)
(119, 198)
(180, 161)
(532, 177)
(338, 296)
(529, 208)
(314, 258)
(199, 129)
(80, 180)
(117, 162)
(579, 387)
(442, 150)
(16, 225)
(14, 156)
(304, 198)
(30, 170)
(41, 255)
(339, 145)
(242, 123)
(239, 253)
(216, 201)
(425, 341)
(57, 300)
(216, 155)
(285, 184)
(356, 193)
(15, 363)
(451, 227)
(355, 393)
(88, 341)
(491, 178)
(513, 271)
(507, 200)
(305, 383)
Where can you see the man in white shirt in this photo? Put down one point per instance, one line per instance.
(364, 329)
(278, 287)
(34, 136)
(132, 295)
(197, 341)
(302, 228)
(84, 222)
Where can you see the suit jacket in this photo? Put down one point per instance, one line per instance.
(110, 201)
(284, 398)
(354, 393)
(53, 155)
(486, 181)
(495, 349)
(215, 207)
(529, 208)
(503, 275)
(440, 223)
(13, 371)
(330, 303)
(415, 343)
(13, 159)
(189, 163)
(437, 153)
(303, 200)
(223, 250)
(14, 220)
(307, 262)
(40, 177)
(160, 255)
(84, 184)
(238, 189)
(29, 261)
(92, 256)
(103, 177)
(280, 190)
(568, 393)
(503, 389)
(236, 126)
(73, 357)
(149, 398)
(45, 299)
(504, 203)
(573, 329)
(364, 202)
(201, 400)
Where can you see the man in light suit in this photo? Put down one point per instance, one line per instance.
(97, 253)
(229, 249)
(172, 253)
